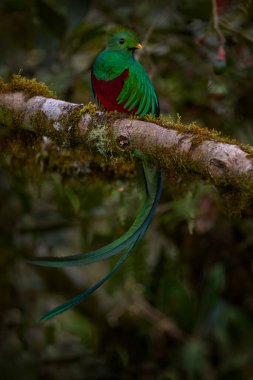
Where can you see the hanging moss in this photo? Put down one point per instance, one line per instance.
(7, 116)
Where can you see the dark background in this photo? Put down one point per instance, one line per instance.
(182, 306)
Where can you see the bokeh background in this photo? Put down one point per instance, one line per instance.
(182, 306)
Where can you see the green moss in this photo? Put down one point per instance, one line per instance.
(151, 118)
(31, 87)
(44, 157)
(36, 161)
(100, 135)
(40, 124)
(62, 131)
(237, 197)
(17, 156)
(198, 134)
(7, 117)
(91, 108)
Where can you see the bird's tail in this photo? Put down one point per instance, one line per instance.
(127, 242)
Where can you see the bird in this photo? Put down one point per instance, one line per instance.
(118, 83)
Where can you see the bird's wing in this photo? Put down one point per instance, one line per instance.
(138, 93)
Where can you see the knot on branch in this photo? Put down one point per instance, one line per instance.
(217, 168)
(123, 142)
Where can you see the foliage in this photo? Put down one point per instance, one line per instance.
(182, 306)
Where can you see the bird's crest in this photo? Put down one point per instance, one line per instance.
(122, 30)
(120, 38)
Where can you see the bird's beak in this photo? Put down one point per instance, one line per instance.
(138, 46)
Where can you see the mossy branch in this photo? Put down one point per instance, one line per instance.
(172, 146)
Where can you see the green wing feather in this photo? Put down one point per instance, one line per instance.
(139, 92)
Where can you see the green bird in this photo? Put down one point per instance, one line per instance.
(119, 83)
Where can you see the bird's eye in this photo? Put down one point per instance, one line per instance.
(122, 41)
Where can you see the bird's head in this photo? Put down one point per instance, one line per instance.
(123, 40)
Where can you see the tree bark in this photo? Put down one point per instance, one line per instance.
(167, 147)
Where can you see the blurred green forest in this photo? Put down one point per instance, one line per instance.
(182, 306)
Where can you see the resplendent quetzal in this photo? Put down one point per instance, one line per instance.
(120, 83)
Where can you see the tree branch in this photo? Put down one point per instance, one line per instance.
(169, 145)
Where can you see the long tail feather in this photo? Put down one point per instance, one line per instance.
(127, 242)
(100, 254)
(153, 186)
(81, 297)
